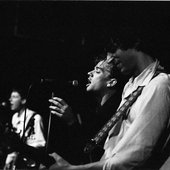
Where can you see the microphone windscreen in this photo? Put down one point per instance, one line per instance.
(75, 83)
(3, 104)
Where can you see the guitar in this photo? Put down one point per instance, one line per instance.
(11, 142)
(30, 156)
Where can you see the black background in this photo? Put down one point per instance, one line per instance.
(59, 39)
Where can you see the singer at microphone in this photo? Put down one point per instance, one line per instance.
(104, 84)
(27, 124)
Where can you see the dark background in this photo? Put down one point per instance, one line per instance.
(59, 40)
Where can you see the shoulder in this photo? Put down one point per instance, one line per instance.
(14, 115)
(162, 80)
(32, 113)
(159, 85)
(38, 117)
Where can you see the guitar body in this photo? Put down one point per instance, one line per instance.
(13, 140)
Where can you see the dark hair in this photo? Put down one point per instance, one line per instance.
(114, 71)
(21, 90)
(139, 38)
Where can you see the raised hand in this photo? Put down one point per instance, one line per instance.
(60, 108)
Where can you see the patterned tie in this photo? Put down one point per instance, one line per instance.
(115, 118)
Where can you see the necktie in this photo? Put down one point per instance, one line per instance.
(115, 118)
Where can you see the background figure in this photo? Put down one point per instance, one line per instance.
(28, 125)
(139, 140)
(105, 84)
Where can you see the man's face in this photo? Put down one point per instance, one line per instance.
(15, 101)
(125, 61)
(98, 77)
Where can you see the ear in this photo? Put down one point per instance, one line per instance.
(24, 101)
(111, 82)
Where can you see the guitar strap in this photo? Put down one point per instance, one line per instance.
(30, 124)
(27, 162)
(114, 119)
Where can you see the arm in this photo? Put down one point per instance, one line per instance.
(61, 164)
(10, 160)
(90, 166)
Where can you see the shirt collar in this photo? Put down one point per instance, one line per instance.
(142, 79)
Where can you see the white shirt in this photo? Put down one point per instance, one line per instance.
(131, 141)
(34, 136)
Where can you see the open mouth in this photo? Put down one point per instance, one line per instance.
(88, 83)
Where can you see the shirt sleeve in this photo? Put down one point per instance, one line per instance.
(37, 139)
(149, 116)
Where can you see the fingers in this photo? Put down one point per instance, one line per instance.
(59, 160)
(58, 106)
(59, 100)
(56, 113)
(55, 104)
(56, 110)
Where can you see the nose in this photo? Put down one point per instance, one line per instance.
(10, 99)
(90, 73)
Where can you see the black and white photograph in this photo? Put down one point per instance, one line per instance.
(84, 85)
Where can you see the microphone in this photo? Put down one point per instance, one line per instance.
(74, 83)
(4, 104)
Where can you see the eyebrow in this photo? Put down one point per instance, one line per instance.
(100, 68)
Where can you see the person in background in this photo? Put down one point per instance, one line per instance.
(140, 138)
(28, 126)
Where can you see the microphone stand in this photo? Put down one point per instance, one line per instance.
(49, 126)
(45, 158)
(49, 121)
(25, 110)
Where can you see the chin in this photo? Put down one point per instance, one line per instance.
(88, 89)
(14, 108)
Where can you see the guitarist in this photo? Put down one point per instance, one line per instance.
(28, 126)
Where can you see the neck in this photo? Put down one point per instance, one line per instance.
(106, 96)
(143, 61)
(21, 111)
